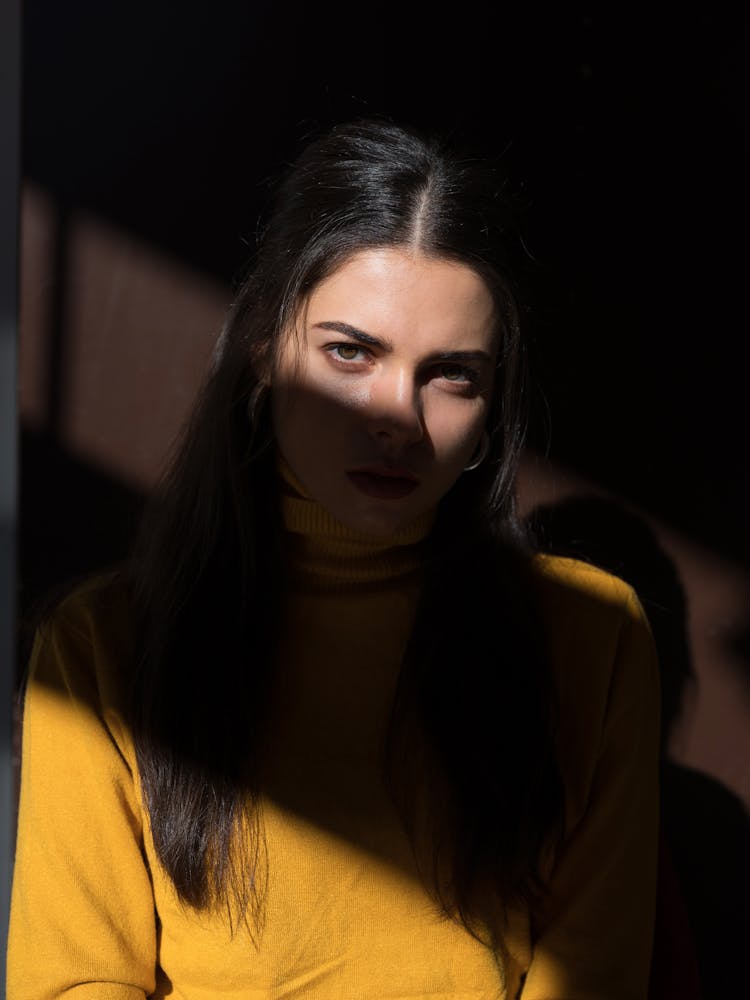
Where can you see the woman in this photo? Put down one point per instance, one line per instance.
(334, 731)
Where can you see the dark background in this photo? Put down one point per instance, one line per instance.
(625, 137)
(624, 134)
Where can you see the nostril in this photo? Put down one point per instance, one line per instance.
(395, 428)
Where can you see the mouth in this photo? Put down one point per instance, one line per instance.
(383, 483)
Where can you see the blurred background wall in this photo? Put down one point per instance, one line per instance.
(151, 134)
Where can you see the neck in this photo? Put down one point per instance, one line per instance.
(325, 554)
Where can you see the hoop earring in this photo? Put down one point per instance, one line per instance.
(480, 452)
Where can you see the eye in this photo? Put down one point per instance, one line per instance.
(453, 373)
(346, 353)
(458, 373)
(462, 380)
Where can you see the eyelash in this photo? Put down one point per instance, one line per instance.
(331, 348)
(471, 376)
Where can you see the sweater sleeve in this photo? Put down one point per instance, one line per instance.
(82, 917)
(594, 938)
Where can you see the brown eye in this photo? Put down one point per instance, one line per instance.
(465, 379)
(346, 352)
(453, 373)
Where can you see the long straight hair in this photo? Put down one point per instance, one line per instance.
(206, 573)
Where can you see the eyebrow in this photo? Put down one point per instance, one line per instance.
(355, 334)
(367, 338)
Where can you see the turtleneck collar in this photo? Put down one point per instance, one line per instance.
(326, 555)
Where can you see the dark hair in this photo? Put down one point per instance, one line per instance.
(207, 570)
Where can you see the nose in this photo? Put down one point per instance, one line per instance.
(394, 412)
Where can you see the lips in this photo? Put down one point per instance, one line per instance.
(383, 482)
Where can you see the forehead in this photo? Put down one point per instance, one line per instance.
(405, 297)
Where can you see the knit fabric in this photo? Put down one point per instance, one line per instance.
(345, 916)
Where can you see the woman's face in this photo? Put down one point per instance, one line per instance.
(381, 397)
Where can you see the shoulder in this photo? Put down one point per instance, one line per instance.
(590, 617)
(570, 583)
(602, 659)
(584, 607)
(94, 614)
(82, 653)
(91, 604)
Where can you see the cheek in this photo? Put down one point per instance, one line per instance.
(332, 390)
(455, 429)
(310, 421)
(319, 391)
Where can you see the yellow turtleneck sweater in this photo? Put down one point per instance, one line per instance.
(95, 916)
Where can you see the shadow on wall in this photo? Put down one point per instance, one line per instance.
(704, 883)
